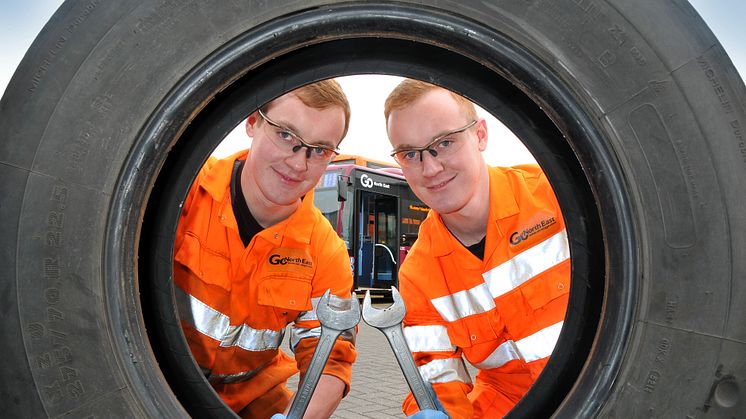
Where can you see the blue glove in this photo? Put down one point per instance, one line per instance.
(278, 416)
(428, 414)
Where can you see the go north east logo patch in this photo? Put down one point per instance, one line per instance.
(276, 259)
(289, 259)
(519, 237)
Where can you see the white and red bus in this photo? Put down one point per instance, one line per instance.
(377, 215)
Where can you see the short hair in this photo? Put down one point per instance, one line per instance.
(322, 94)
(409, 90)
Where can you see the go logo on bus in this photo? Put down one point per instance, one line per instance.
(366, 181)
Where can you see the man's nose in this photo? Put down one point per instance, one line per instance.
(430, 164)
(298, 160)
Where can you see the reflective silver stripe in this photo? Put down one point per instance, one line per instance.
(531, 348)
(252, 339)
(307, 316)
(464, 303)
(524, 266)
(298, 333)
(540, 344)
(335, 302)
(231, 378)
(216, 325)
(433, 338)
(234, 378)
(504, 353)
(204, 318)
(445, 370)
(503, 278)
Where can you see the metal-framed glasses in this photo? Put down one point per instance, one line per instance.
(284, 138)
(442, 146)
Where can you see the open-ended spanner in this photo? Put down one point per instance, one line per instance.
(388, 321)
(333, 323)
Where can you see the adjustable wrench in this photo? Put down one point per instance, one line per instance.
(333, 323)
(389, 321)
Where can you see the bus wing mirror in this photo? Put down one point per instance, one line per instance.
(343, 186)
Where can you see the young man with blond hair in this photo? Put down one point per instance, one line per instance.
(253, 254)
(488, 277)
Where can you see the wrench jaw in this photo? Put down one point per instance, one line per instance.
(338, 319)
(387, 317)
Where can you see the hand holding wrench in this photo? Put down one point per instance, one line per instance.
(389, 321)
(333, 323)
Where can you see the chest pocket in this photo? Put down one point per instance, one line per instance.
(476, 329)
(285, 297)
(285, 283)
(548, 286)
(289, 293)
(208, 265)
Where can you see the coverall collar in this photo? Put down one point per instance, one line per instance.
(217, 177)
(502, 205)
(216, 182)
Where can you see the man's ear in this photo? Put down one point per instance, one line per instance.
(482, 134)
(250, 124)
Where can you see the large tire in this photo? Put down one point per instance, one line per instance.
(632, 107)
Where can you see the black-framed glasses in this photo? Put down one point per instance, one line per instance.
(284, 138)
(442, 146)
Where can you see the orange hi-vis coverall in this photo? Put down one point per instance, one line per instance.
(503, 313)
(236, 301)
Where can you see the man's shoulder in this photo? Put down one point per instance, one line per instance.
(214, 176)
(525, 178)
(523, 171)
(429, 225)
(420, 255)
(323, 229)
(221, 169)
(322, 235)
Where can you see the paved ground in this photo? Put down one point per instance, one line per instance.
(378, 386)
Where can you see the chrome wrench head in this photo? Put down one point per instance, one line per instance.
(387, 317)
(336, 319)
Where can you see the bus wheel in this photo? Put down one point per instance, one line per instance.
(632, 107)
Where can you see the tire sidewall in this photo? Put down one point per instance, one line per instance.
(77, 292)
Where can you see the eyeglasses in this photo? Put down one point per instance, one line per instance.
(444, 146)
(286, 139)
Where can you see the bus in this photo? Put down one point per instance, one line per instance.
(341, 159)
(377, 215)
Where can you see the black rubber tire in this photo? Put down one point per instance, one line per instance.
(632, 107)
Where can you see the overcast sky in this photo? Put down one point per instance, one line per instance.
(21, 21)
